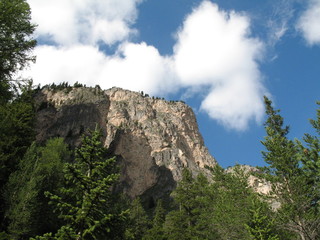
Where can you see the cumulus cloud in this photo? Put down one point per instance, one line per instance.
(141, 67)
(309, 23)
(68, 22)
(214, 48)
(134, 66)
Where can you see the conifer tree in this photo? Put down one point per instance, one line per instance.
(231, 203)
(294, 175)
(40, 170)
(189, 220)
(262, 225)
(86, 203)
(157, 230)
(16, 117)
(138, 222)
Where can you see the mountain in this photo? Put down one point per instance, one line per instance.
(153, 139)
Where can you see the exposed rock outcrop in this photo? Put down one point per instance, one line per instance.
(154, 139)
(259, 185)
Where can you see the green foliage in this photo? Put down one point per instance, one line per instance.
(40, 170)
(231, 203)
(78, 85)
(262, 226)
(156, 232)
(15, 43)
(189, 220)
(222, 209)
(16, 135)
(294, 172)
(281, 152)
(16, 115)
(86, 203)
(4, 236)
(137, 221)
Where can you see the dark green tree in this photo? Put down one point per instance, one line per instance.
(137, 221)
(40, 170)
(156, 232)
(294, 174)
(16, 44)
(192, 200)
(16, 135)
(231, 201)
(86, 203)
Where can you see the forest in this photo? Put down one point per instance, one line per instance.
(51, 191)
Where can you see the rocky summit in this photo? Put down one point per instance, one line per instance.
(153, 139)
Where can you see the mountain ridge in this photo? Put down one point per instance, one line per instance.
(154, 139)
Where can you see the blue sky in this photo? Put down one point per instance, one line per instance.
(220, 57)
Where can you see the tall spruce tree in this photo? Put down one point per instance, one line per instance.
(86, 203)
(231, 203)
(137, 222)
(294, 175)
(156, 232)
(189, 220)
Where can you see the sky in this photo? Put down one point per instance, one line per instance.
(220, 57)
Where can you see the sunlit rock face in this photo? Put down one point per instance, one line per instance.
(153, 139)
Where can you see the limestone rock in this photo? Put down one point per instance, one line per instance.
(259, 185)
(154, 139)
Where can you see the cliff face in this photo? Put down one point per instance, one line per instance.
(153, 139)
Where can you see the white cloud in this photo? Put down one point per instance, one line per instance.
(134, 66)
(67, 64)
(214, 48)
(309, 23)
(278, 21)
(68, 22)
(141, 68)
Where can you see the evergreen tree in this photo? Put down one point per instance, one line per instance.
(262, 226)
(189, 220)
(231, 203)
(157, 230)
(138, 222)
(16, 135)
(16, 43)
(294, 175)
(86, 203)
(40, 170)
(15, 117)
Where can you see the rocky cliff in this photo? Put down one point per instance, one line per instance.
(153, 139)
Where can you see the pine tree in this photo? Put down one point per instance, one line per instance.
(189, 220)
(40, 170)
(86, 203)
(157, 230)
(231, 203)
(289, 171)
(138, 222)
(16, 135)
(16, 44)
(262, 226)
